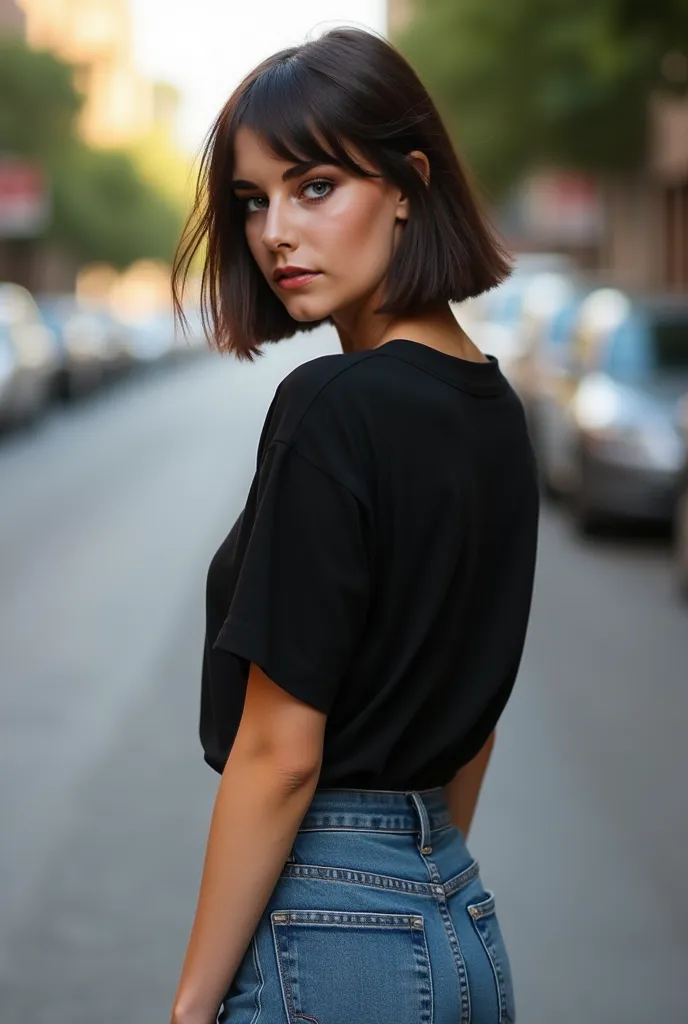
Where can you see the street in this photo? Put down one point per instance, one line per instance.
(110, 512)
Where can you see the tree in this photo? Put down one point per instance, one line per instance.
(559, 82)
(104, 208)
(106, 211)
(667, 20)
(38, 101)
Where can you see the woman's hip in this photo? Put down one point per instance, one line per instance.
(380, 915)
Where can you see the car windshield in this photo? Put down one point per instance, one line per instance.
(55, 310)
(670, 343)
(562, 324)
(642, 346)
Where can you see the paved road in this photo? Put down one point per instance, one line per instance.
(109, 514)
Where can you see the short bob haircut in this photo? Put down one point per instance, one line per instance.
(308, 102)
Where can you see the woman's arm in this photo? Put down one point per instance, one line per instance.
(464, 789)
(265, 790)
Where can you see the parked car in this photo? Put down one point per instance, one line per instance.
(681, 511)
(81, 344)
(27, 356)
(494, 320)
(118, 356)
(151, 339)
(548, 313)
(8, 363)
(608, 436)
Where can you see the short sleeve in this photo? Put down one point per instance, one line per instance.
(301, 596)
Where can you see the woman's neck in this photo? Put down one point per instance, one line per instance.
(436, 328)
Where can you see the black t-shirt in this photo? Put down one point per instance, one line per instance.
(382, 568)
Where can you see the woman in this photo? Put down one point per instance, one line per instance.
(367, 612)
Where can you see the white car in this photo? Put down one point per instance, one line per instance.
(28, 356)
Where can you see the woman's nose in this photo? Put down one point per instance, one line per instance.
(279, 230)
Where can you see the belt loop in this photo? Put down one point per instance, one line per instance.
(422, 812)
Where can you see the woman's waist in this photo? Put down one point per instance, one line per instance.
(382, 838)
(376, 810)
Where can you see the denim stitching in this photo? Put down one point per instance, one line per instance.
(479, 913)
(282, 970)
(413, 923)
(343, 918)
(441, 894)
(368, 878)
(317, 821)
(425, 969)
(259, 972)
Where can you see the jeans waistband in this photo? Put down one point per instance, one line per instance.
(419, 812)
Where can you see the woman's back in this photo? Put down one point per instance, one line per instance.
(386, 559)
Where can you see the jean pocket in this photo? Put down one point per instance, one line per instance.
(486, 924)
(337, 967)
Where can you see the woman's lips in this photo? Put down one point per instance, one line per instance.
(298, 281)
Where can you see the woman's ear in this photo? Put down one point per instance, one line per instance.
(422, 164)
(423, 167)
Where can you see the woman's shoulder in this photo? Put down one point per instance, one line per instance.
(320, 392)
(322, 411)
(332, 372)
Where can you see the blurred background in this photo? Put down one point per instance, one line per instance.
(126, 453)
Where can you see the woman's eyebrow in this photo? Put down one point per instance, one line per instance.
(291, 172)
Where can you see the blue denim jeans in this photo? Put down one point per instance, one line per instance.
(379, 917)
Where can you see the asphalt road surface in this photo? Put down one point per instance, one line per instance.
(109, 514)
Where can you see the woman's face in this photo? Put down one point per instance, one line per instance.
(322, 218)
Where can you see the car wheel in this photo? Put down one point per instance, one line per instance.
(681, 545)
(33, 412)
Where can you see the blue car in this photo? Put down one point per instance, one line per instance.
(81, 345)
(610, 440)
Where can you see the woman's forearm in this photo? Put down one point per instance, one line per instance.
(463, 791)
(257, 813)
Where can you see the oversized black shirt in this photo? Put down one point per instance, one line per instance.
(382, 568)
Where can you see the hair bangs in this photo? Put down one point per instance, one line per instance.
(300, 116)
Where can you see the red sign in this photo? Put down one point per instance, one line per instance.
(24, 198)
(562, 208)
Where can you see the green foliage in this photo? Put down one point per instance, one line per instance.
(38, 101)
(104, 207)
(533, 82)
(107, 212)
(666, 20)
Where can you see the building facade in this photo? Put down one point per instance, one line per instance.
(399, 14)
(96, 37)
(12, 18)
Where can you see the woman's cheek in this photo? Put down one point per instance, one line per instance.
(340, 235)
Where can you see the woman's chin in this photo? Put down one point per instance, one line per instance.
(307, 312)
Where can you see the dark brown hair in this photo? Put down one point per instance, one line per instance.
(308, 103)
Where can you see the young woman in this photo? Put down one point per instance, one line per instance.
(366, 613)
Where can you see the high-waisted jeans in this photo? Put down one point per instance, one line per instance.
(379, 917)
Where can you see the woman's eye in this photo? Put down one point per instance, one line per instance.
(320, 190)
(255, 199)
(321, 187)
